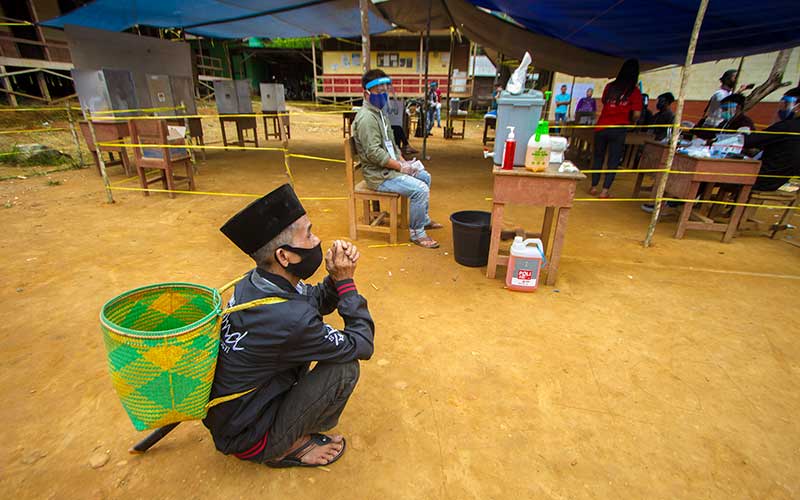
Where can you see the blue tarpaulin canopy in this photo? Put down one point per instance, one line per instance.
(593, 37)
(227, 18)
(659, 30)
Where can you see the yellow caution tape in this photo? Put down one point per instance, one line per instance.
(390, 245)
(134, 110)
(31, 130)
(187, 146)
(14, 110)
(213, 193)
(656, 200)
(307, 157)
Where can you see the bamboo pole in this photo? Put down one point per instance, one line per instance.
(365, 62)
(286, 158)
(314, 63)
(425, 88)
(100, 160)
(187, 138)
(74, 135)
(676, 128)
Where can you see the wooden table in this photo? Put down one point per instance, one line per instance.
(549, 189)
(633, 142)
(278, 119)
(108, 131)
(242, 123)
(711, 171)
(347, 122)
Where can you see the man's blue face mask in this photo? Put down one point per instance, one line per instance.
(378, 100)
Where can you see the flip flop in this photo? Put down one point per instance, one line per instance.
(434, 225)
(293, 459)
(426, 242)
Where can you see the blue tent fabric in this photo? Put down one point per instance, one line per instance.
(658, 31)
(218, 18)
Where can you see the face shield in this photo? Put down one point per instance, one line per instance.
(728, 110)
(786, 107)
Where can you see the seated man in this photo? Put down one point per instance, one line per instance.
(275, 407)
(731, 112)
(664, 115)
(383, 166)
(781, 153)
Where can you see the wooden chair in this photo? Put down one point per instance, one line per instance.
(749, 222)
(107, 132)
(162, 159)
(371, 218)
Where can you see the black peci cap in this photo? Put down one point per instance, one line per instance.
(264, 219)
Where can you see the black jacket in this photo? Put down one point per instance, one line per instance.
(270, 346)
(781, 153)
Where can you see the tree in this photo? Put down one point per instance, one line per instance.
(774, 80)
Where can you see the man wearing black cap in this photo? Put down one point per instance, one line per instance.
(275, 407)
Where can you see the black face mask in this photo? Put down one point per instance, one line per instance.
(311, 260)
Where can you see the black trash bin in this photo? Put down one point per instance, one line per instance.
(472, 230)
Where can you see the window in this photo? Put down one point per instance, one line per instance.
(388, 59)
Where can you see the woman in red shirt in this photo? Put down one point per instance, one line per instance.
(622, 104)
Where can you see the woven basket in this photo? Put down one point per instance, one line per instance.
(162, 343)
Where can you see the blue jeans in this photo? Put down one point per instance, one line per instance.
(613, 141)
(417, 189)
(437, 111)
(560, 118)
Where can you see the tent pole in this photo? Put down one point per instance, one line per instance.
(571, 94)
(425, 88)
(448, 130)
(419, 69)
(676, 128)
(314, 63)
(365, 62)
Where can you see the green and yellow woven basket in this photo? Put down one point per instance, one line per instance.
(162, 342)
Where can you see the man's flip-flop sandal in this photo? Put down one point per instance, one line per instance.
(293, 459)
(434, 225)
(426, 242)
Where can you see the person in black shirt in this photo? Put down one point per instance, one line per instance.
(273, 408)
(781, 152)
(664, 116)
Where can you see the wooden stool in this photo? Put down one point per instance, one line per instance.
(489, 123)
(371, 219)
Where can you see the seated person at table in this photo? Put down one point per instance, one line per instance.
(733, 118)
(664, 116)
(781, 153)
(383, 167)
(495, 95)
(587, 104)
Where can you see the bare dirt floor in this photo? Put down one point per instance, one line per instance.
(663, 372)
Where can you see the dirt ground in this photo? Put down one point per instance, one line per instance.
(667, 372)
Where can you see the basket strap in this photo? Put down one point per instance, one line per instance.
(229, 397)
(231, 283)
(253, 303)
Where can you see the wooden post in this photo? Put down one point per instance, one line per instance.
(100, 160)
(425, 88)
(314, 63)
(74, 135)
(12, 99)
(43, 86)
(187, 138)
(448, 130)
(285, 144)
(365, 62)
(571, 95)
(421, 62)
(676, 129)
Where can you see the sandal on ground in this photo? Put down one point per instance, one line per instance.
(293, 459)
(593, 191)
(426, 242)
(434, 225)
(604, 195)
